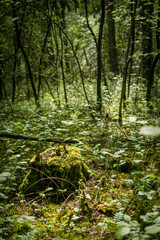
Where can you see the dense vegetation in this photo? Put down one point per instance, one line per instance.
(80, 75)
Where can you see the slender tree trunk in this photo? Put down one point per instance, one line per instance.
(133, 6)
(147, 43)
(99, 65)
(44, 46)
(151, 78)
(128, 60)
(1, 64)
(16, 48)
(1, 81)
(63, 74)
(25, 57)
(13, 79)
(111, 37)
(81, 73)
(50, 90)
(98, 48)
(63, 42)
(158, 28)
(14, 72)
(41, 56)
(86, 10)
(154, 62)
(57, 59)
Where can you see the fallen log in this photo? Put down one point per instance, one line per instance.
(56, 140)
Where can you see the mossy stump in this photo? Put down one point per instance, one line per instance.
(55, 172)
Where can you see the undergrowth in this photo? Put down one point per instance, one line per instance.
(119, 201)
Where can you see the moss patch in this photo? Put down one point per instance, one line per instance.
(56, 171)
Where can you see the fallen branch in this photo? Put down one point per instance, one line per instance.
(56, 140)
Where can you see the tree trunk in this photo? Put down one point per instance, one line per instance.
(16, 48)
(63, 74)
(99, 65)
(63, 43)
(14, 70)
(133, 7)
(111, 38)
(86, 10)
(147, 43)
(1, 81)
(25, 57)
(151, 78)
(44, 46)
(155, 61)
(98, 48)
(50, 90)
(128, 60)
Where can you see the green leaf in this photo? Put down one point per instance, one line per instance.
(103, 225)
(2, 195)
(157, 220)
(150, 131)
(127, 218)
(136, 238)
(153, 229)
(2, 179)
(57, 238)
(122, 231)
(123, 224)
(4, 176)
(26, 218)
(146, 218)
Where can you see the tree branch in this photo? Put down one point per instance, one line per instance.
(56, 140)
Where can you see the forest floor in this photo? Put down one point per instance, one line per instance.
(121, 199)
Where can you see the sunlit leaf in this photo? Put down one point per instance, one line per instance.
(127, 218)
(122, 231)
(153, 229)
(57, 238)
(4, 176)
(150, 131)
(157, 220)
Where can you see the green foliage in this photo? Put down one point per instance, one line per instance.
(131, 229)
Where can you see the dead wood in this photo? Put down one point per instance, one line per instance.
(56, 140)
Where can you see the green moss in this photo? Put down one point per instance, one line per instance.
(103, 181)
(142, 206)
(56, 168)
